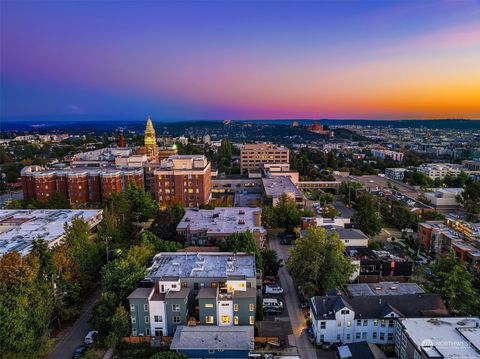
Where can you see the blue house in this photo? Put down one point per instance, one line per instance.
(214, 341)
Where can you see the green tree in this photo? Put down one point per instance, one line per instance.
(287, 214)
(271, 263)
(121, 276)
(433, 216)
(317, 262)
(103, 311)
(141, 202)
(348, 191)
(367, 216)
(159, 244)
(83, 251)
(455, 283)
(242, 243)
(268, 217)
(470, 197)
(26, 305)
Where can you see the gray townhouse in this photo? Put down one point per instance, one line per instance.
(221, 286)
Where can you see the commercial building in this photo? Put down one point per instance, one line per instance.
(281, 169)
(395, 173)
(438, 237)
(440, 170)
(425, 338)
(343, 319)
(223, 286)
(444, 198)
(212, 226)
(255, 155)
(275, 187)
(78, 184)
(214, 341)
(382, 153)
(183, 179)
(19, 228)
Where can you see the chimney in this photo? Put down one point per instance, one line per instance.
(257, 218)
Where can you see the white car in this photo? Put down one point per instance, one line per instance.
(90, 337)
(272, 303)
(273, 289)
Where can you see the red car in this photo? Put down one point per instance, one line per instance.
(269, 281)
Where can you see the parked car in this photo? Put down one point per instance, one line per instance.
(269, 281)
(272, 311)
(273, 289)
(79, 352)
(304, 304)
(90, 337)
(286, 241)
(272, 303)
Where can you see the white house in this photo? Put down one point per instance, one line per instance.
(342, 319)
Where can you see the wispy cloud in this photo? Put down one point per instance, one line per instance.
(440, 40)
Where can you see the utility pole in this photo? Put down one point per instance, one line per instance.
(107, 238)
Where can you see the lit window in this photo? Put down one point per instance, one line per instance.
(349, 323)
(235, 307)
(252, 320)
(339, 323)
(252, 307)
(209, 319)
(235, 320)
(225, 319)
(209, 305)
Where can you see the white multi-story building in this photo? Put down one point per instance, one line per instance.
(343, 319)
(440, 170)
(425, 338)
(394, 155)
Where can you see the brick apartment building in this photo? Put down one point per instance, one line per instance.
(253, 156)
(183, 179)
(78, 185)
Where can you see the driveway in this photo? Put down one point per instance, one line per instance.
(70, 338)
(297, 319)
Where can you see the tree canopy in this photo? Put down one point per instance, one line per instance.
(455, 283)
(367, 215)
(317, 262)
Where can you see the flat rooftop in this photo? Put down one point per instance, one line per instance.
(221, 220)
(451, 337)
(19, 228)
(383, 288)
(276, 186)
(201, 265)
(213, 337)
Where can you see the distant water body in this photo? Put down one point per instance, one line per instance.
(93, 123)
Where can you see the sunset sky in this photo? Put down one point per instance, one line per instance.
(241, 60)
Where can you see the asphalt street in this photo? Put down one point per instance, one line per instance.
(72, 337)
(297, 319)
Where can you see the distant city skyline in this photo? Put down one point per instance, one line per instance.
(241, 60)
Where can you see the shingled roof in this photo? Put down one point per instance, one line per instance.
(372, 307)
